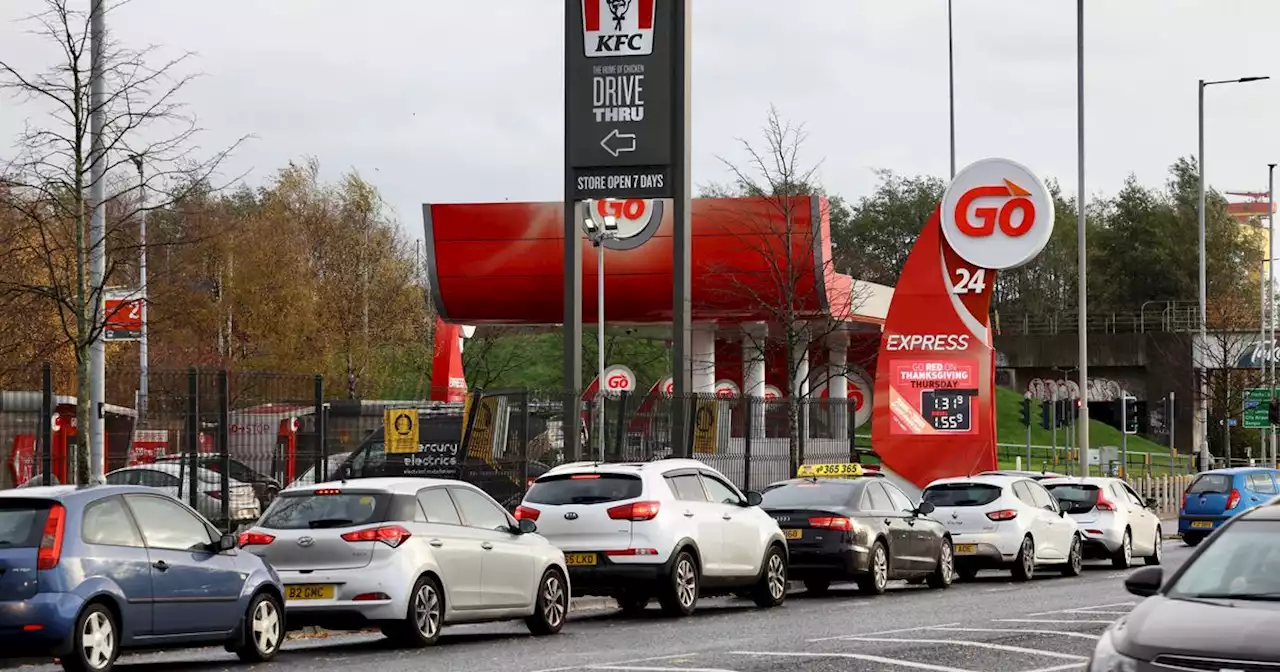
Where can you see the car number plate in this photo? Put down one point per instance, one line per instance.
(579, 559)
(966, 549)
(793, 534)
(1201, 524)
(308, 592)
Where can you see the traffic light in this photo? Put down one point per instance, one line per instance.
(1075, 410)
(1046, 420)
(1273, 412)
(1060, 412)
(1024, 412)
(1130, 415)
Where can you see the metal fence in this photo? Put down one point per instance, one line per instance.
(1171, 316)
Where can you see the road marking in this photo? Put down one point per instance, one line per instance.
(657, 669)
(977, 645)
(1096, 606)
(1087, 612)
(883, 632)
(1050, 620)
(620, 662)
(853, 656)
(1059, 668)
(1064, 633)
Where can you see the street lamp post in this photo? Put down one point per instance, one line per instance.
(1082, 331)
(1204, 318)
(598, 234)
(1270, 293)
(951, 88)
(143, 356)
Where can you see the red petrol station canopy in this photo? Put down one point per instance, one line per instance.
(503, 263)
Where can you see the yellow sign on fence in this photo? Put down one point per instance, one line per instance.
(481, 442)
(706, 418)
(400, 430)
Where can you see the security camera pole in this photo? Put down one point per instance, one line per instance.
(597, 235)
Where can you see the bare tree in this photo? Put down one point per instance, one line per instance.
(50, 175)
(779, 243)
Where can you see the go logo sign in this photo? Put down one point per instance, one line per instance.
(635, 220)
(996, 215)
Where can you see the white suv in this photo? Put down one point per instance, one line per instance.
(1005, 521)
(674, 528)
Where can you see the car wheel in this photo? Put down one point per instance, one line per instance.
(1192, 539)
(632, 603)
(680, 596)
(877, 578)
(1123, 557)
(1075, 558)
(421, 626)
(1024, 566)
(943, 573)
(96, 642)
(552, 606)
(771, 590)
(263, 630)
(817, 586)
(1157, 554)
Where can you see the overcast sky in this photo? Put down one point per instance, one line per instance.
(461, 100)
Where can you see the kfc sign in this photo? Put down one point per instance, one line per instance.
(616, 380)
(726, 389)
(617, 28)
(997, 214)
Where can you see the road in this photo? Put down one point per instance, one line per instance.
(988, 625)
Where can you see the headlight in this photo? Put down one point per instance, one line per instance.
(1107, 659)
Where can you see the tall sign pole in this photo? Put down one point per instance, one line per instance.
(626, 137)
(96, 431)
(1082, 331)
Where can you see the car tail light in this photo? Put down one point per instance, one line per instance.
(632, 552)
(1233, 499)
(1184, 500)
(832, 523)
(584, 477)
(635, 511)
(370, 597)
(216, 494)
(1104, 504)
(391, 535)
(527, 513)
(50, 552)
(328, 491)
(254, 539)
(1003, 514)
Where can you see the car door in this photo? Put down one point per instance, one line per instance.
(116, 552)
(196, 589)
(1142, 521)
(742, 540)
(1260, 488)
(923, 547)
(1061, 529)
(1039, 526)
(877, 500)
(507, 569)
(704, 519)
(455, 546)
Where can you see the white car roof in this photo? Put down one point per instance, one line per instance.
(176, 469)
(630, 467)
(987, 479)
(403, 485)
(1087, 480)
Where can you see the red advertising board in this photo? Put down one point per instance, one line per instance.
(123, 317)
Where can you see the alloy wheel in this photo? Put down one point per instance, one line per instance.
(1028, 557)
(553, 607)
(426, 611)
(948, 562)
(98, 640)
(1128, 549)
(881, 568)
(1076, 558)
(777, 577)
(1159, 553)
(266, 626)
(686, 583)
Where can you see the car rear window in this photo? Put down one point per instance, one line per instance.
(318, 509)
(961, 494)
(584, 489)
(1210, 483)
(809, 494)
(1075, 497)
(22, 522)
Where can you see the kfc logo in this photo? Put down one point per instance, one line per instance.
(613, 28)
(997, 215)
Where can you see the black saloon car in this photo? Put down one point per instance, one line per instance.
(858, 528)
(1218, 611)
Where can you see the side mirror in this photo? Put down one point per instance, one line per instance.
(527, 526)
(1062, 513)
(227, 542)
(1153, 503)
(754, 498)
(1145, 582)
(925, 508)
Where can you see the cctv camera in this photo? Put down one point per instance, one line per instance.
(589, 225)
(610, 223)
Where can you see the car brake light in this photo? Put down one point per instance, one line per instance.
(50, 552)
(391, 535)
(527, 513)
(328, 491)
(1233, 499)
(832, 523)
(215, 494)
(1104, 504)
(254, 539)
(1184, 500)
(583, 477)
(1003, 514)
(632, 552)
(635, 511)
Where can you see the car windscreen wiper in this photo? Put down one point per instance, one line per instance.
(330, 522)
(1199, 600)
(1265, 596)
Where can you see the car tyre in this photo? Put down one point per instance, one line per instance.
(425, 618)
(551, 609)
(876, 579)
(944, 573)
(680, 596)
(1075, 558)
(1192, 539)
(96, 641)
(1123, 557)
(263, 630)
(771, 588)
(1024, 566)
(1157, 553)
(817, 586)
(632, 603)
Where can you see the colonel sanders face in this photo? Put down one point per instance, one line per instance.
(618, 8)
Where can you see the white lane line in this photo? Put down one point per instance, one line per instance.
(1059, 668)
(882, 632)
(1064, 633)
(620, 662)
(976, 645)
(1051, 620)
(1091, 612)
(657, 669)
(1096, 606)
(853, 656)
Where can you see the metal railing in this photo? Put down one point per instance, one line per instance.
(1152, 316)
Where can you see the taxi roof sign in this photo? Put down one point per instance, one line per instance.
(849, 470)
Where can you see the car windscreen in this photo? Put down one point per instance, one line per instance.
(819, 493)
(1075, 497)
(961, 494)
(1210, 484)
(22, 522)
(322, 509)
(1241, 561)
(563, 489)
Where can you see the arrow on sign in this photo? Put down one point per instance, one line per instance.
(622, 142)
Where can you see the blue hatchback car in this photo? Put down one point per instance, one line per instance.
(1217, 495)
(86, 572)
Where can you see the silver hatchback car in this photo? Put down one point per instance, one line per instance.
(408, 555)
